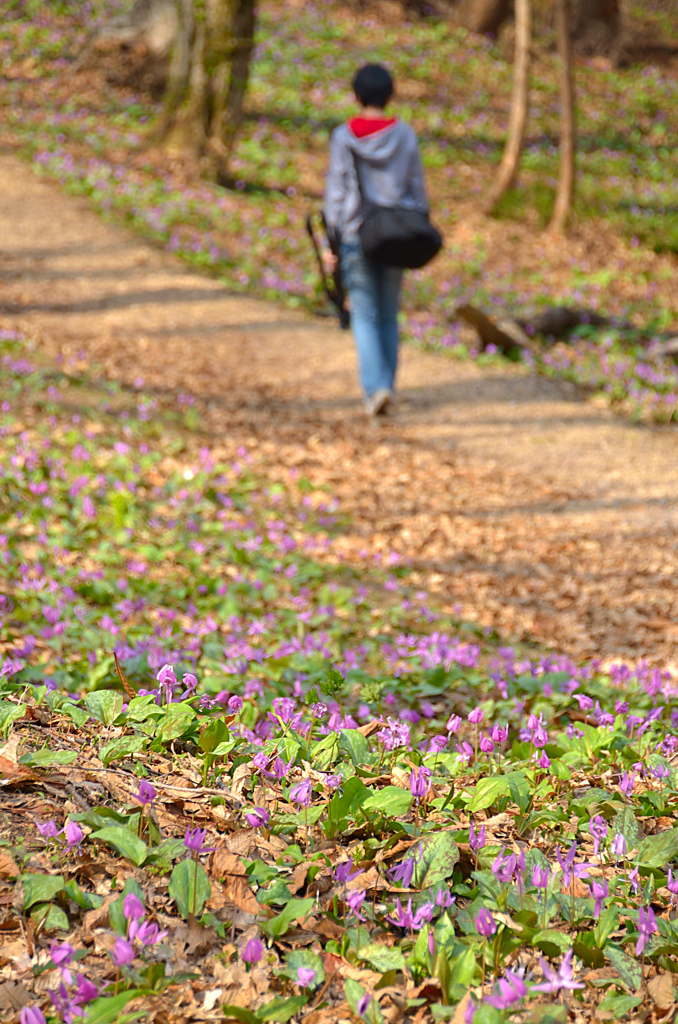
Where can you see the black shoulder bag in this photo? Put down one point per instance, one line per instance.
(395, 235)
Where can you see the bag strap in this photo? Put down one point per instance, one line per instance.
(356, 166)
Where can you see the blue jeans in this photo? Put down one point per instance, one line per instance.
(374, 291)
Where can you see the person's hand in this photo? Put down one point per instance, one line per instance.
(330, 262)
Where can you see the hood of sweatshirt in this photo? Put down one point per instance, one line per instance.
(379, 149)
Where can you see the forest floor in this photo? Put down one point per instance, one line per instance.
(530, 507)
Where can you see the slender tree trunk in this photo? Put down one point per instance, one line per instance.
(518, 119)
(566, 177)
(207, 80)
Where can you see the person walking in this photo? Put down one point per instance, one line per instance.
(374, 161)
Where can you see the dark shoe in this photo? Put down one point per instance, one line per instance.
(376, 404)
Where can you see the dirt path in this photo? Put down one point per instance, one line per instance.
(531, 509)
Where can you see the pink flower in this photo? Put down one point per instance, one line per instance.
(132, 907)
(253, 951)
(122, 952)
(146, 794)
(301, 794)
(48, 829)
(305, 976)
(74, 834)
(257, 817)
(475, 717)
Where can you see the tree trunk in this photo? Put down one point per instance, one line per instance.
(563, 203)
(484, 16)
(208, 76)
(518, 119)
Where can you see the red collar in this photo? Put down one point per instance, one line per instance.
(363, 126)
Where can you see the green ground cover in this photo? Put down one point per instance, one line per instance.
(428, 818)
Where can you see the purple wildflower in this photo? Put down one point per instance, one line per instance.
(541, 876)
(73, 833)
(509, 990)
(301, 793)
(343, 872)
(305, 976)
(122, 952)
(355, 900)
(476, 842)
(626, 783)
(570, 869)
(647, 925)
(504, 866)
(618, 847)
(32, 1015)
(485, 923)
(258, 817)
(87, 990)
(361, 1006)
(562, 978)
(253, 951)
(48, 829)
(132, 907)
(475, 717)
(419, 783)
(600, 892)
(194, 840)
(146, 794)
(145, 932)
(598, 829)
(403, 872)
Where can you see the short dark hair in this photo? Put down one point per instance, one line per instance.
(373, 85)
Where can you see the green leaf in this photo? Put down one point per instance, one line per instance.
(552, 942)
(44, 758)
(591, 956)
(382, 958)
(212, 735)
(77, 714)
(304, 958)
(434, 860)
(391, 801)
(9, 713)
(241, 1014)
(141, 708)
(190, 887)
(354, 744)
(84, 900)
(124, 842)
(40, 888)
(463, 967)
(626, 824)
(104, 705)
(179, 719)
(282, 1010)
(294, 911)
(626, 966)
(343, 804)
(52, 918)
(324, 752)
(487, 792)
(617, 1005)
(658, 850)
(107, 1009)
(519, 789)
(121, 747)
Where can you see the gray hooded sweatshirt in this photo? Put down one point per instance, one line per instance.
(390, 175)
